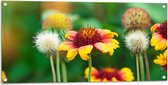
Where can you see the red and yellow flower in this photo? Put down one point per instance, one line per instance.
(159, 36)
(110, 74)
(84, 40)
(162, 60)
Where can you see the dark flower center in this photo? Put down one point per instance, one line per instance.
(118, 77)
(107, 73)
(165, 67)
(86, 36)
(163, 29)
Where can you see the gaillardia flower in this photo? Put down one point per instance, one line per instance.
(137, 41)
(135, 18)
(57, 21)
(3, 77)
(159, 36)
(162, 60)
(110, 74)
(47, 42)
(85, 39)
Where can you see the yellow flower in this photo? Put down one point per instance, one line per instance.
(86, 39)
(57, 21)
(110, 74)
(3, 75)
(159, 36)
(162, 60)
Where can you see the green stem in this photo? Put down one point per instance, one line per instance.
(147, 66)
(58, 67)
(64, 71)
(137, 67)
(141, 64)
(53, 69)
(90, 66)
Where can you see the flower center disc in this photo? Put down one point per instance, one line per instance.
(107, 73)
(87, 36)
(163, 29)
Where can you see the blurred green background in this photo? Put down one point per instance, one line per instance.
(22, 62)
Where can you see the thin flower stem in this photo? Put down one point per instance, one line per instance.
(53, 69)
(90, 66)
(141, 65)
(147, 66)
(137, 67)
(58, 67)
(64, 71)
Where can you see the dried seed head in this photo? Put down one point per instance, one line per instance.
(137, 41)
(47, 42)
(135, 18)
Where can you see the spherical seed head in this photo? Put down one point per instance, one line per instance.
(47, 42)
(57, 21)
(137, 41)
(135, 18)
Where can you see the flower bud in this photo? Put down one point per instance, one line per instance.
(135, 18)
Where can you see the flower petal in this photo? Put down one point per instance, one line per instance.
(110, 35)
(165, 53)
(65, 46)
(72, 53)
(84, 51)
(105, 80)
(161, 45)
(110, 41)
(161, 59)
(111, 51)
(94, 79)
(154, 27)
(114, 79)
(70, 35)
(126, 74)
(103, 31)
(114, 46)
(107, 34)
(155, 39)
(94, 72)
(102, 47)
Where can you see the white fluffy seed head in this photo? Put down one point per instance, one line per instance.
(47, 42)
(137, 41)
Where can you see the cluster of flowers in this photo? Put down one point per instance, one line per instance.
(54, 28)
(136, 21)
(57, 35)
(159, 40)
